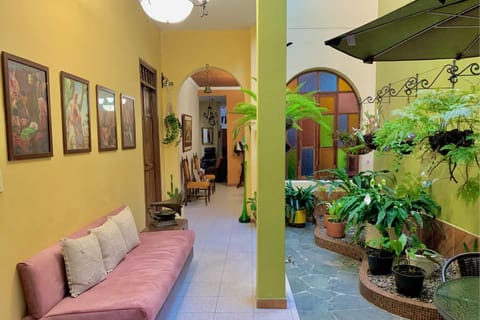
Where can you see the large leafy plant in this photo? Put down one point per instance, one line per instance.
(376, 198)
(444, 125)
(298, 106)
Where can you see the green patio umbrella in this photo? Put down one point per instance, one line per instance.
(420, 30)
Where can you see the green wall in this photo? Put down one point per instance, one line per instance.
(454, 211)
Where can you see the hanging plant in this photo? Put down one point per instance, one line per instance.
(173, 129)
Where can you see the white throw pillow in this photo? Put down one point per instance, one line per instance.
(83, 263)
(111, 243)
(126, 223)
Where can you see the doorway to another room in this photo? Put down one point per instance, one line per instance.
(212, 114)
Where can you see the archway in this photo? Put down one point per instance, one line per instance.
(210, 115)
(314, 147)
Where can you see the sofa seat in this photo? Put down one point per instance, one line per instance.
(135, 290)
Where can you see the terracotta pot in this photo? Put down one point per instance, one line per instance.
(336, 229)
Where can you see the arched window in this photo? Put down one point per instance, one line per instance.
(315, 147)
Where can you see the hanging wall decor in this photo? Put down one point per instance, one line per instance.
(75, 114)
(127, 113)
(27, 108)
(187, 132)
(106, 119)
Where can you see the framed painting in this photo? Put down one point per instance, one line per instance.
(27, 108)
(127, 115)
(75, 114)
(186, 132)
(106, 119)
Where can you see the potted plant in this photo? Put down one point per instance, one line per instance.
(374, 197)
(336, 220)
(380, 256)
(360, 141)
(300, 202)
(444, 125)
(368, 199)
(419, 255)
(173, 129)
(408, 278)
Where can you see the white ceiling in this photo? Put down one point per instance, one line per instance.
(222, 14)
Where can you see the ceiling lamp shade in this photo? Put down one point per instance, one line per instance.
(167, 11)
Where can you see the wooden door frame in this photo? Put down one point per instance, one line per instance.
(151, 83)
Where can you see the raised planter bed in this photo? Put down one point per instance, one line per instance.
(402, 306)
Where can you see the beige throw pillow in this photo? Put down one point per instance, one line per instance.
(111, 243)
(83, 263)
(126, 223)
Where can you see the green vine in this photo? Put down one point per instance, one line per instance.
(173, 128)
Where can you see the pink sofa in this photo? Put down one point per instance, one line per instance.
(136, 289)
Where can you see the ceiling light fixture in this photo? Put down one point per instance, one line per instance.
(210, 115)
(172, 11)
(207, 85)
(203, 4)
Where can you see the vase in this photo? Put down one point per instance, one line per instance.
(409, 279)
(336, 229)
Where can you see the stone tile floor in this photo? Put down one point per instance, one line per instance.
(324, 283)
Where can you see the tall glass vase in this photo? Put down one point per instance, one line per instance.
(244, 217)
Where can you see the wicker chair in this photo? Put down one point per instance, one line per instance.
(468, 265)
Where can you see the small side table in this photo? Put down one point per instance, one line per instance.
(177, 224)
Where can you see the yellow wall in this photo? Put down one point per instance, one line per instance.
(233, 97)
(186, 52)
(45, 199)
(454, 211)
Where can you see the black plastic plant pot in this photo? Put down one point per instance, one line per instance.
(380, 261)
(409, 279)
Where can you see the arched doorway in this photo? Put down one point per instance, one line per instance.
(314, 147)
(212, 119)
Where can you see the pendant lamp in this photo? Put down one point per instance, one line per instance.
(167, 11)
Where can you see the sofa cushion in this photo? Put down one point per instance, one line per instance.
(43, 290)
(83, 263)
(111, 243)
(126, 223)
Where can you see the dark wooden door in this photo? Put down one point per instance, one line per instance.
(151, 149)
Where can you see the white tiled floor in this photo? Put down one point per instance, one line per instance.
(220, 282)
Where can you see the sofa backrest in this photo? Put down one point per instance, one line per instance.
(43, 276)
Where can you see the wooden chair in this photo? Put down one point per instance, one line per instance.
(210, 177)
(468, 265)
(194, 189)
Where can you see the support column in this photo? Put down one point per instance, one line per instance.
(271, 78)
